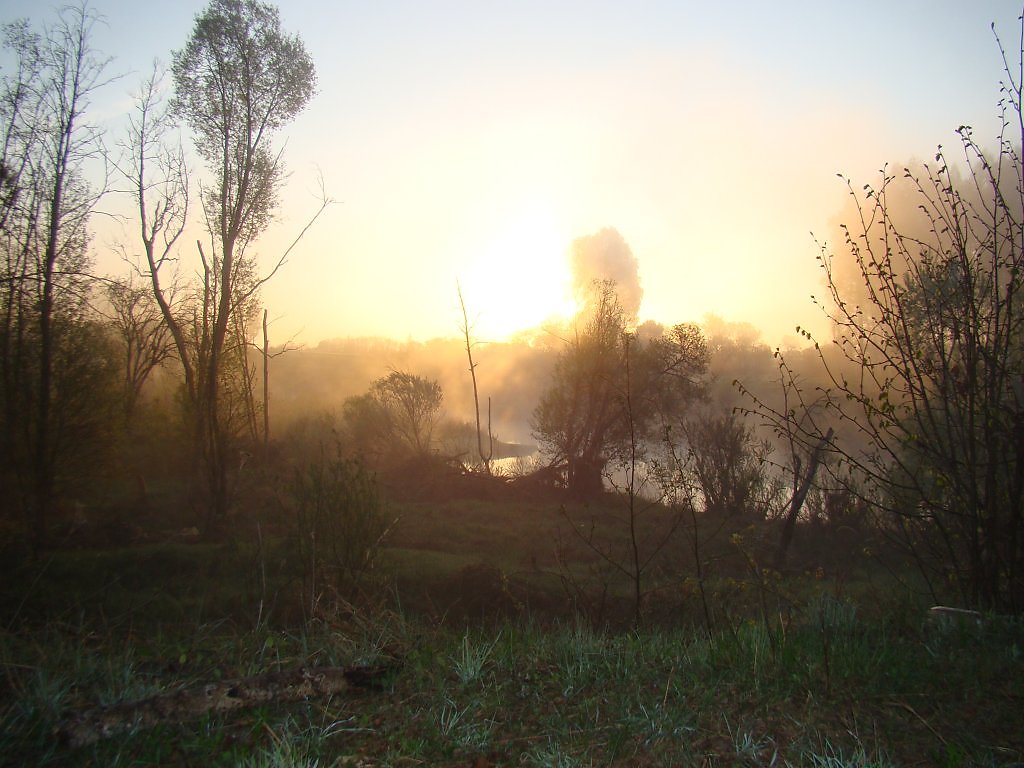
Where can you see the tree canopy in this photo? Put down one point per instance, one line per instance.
(609, 382)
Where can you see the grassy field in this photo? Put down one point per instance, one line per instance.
(487, 652)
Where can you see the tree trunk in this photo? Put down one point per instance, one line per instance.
(797, 502)
(266, 387)
(585, 480)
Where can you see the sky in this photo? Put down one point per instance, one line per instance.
(470, 143)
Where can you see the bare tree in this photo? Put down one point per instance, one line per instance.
(265, 357)
(485, 457)
(144, 336)
(47, 145)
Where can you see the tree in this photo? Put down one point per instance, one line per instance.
(265, 357)
(47, 145)
(238, 80)
(144, 337)
(413, 405)
(396, 418)
(727, 464)
(485, 456)
(644, 525)
(934, 408)
(581, 421)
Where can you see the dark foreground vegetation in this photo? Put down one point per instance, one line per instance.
(484, 649)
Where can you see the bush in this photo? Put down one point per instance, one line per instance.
(338, 526)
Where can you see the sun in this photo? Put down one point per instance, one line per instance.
(518, 277)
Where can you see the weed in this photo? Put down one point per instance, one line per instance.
(449, 718)
(469, 662)
(577, 650)
(833, 757)
(751, 749)
(550, 755)
(290, 747)
(533, 693)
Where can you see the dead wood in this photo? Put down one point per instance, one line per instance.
(92, 725)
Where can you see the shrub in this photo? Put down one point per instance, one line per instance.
(338, 526)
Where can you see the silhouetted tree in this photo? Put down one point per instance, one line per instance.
(642, 525)
(485, 456)
(413, 405)
(727, 463)
(396, 418)
(581, 422)
(238, 80)
(46, 203)
(935, 406)
(367, 428)
(143, 335)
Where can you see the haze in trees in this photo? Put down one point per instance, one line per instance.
(582, 421)
(116, 389)
(925, 383)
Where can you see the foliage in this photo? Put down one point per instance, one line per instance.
(338, 527)
(396, 418)
(928, 384)
(582, 421)
(726, 465)
(238, 80)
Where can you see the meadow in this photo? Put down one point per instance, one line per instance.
(490, 634)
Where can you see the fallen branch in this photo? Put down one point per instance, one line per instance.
(92, 725)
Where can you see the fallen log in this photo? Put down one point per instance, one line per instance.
(92, 725)
(958, 616)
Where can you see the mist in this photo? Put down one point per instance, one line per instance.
(586, 515)
(605, 256)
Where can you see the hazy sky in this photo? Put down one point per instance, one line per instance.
(473, 141)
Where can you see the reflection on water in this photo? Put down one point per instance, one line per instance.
(616, 477)
(516, 466)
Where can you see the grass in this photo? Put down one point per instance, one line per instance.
(839, 693)
(807, 670)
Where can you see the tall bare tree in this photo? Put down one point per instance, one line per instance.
(47, 147)
(485, 456)
(239, 79)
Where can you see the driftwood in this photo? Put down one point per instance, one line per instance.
(92, 725)
(938, 614)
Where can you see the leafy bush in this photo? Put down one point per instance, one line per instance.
(338, 526)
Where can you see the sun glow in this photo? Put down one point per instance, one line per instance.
(518, 278)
